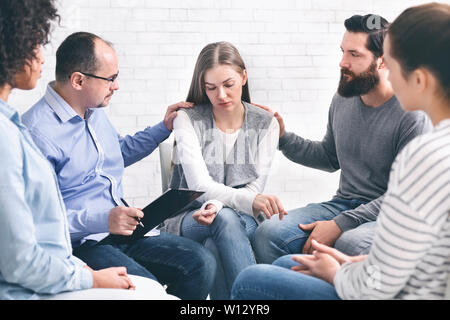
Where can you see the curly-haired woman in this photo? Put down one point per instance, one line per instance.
(35, 251)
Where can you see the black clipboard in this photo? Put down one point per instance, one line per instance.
(169, 204)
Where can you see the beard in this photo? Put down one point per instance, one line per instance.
(358, 84)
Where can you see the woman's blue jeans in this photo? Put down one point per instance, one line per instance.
(229, 239)
(278, 282)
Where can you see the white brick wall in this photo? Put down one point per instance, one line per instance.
(291, 48)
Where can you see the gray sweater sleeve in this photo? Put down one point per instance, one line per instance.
(351, 219)
(412, 125)
(315, 154)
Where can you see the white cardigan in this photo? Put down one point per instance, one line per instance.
(197, 176)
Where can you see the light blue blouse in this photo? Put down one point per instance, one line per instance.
(35, 249)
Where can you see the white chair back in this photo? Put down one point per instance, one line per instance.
(165, 159)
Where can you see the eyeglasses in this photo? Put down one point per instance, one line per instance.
(111, 79)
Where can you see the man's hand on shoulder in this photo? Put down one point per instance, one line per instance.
(276, 115)
(171, 113)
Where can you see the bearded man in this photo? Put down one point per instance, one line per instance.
(366, 129)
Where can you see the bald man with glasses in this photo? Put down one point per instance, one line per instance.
(72, 130)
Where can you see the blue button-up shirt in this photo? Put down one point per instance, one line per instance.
(89, 157)
(35, 250)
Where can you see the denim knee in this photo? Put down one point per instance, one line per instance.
(228, 218)
(272, 240)
(357, 241)
(249, 281)
(266, 231)
(286, 261)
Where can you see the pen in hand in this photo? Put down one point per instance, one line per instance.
(137, 219)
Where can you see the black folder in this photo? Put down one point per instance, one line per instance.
(169, 204)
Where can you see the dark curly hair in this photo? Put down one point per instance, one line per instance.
(24, 24)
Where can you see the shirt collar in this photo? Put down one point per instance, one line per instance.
(9, 112)
(62, 109)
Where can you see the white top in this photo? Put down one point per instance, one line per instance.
(410, 255)
(189, 154)
(146, 289)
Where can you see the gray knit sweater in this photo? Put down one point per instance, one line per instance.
(363, 142)
(234, 170)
